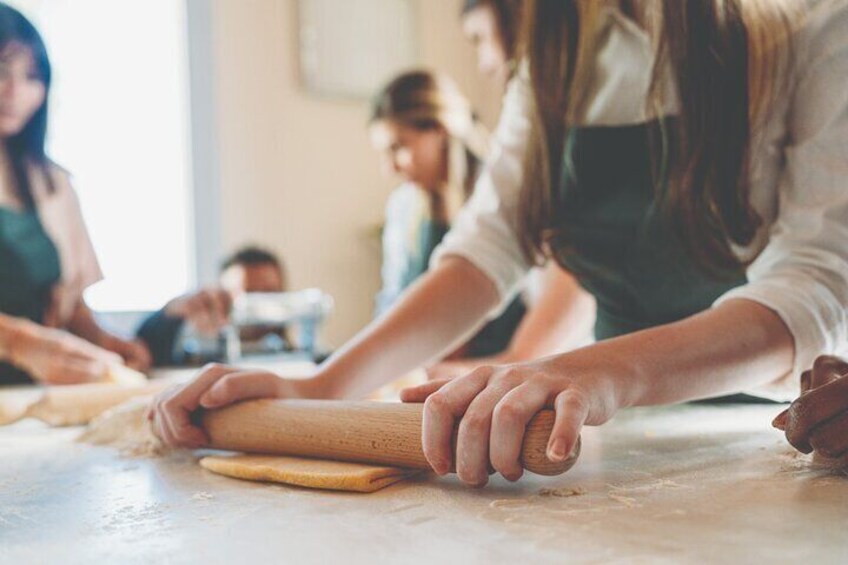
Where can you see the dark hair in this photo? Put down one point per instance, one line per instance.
(249, 256)
(26, 148)
(507, 15)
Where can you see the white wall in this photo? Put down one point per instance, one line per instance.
(296, 172)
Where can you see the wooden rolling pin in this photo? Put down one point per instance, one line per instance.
(380, 433)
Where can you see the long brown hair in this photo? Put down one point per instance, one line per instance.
(726, 56)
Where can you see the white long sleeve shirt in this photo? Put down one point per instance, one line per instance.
(799, 182)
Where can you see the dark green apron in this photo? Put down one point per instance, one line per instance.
(614, 240)
(29, 268)
(496, 335)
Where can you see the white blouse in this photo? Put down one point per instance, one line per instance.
(799, 176)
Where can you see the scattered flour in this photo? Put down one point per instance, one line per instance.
(126, 428)
(562, 492)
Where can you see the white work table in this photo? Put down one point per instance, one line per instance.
(680, 484)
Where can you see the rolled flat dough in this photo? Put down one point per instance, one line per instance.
(309, 473)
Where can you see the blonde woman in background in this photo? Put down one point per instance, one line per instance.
(426, 132)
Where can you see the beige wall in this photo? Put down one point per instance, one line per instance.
(297, 173)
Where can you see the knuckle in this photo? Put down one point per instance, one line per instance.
(436, 404)
(226, 385)
(483, 372)
(800, 415)
(170, 405)
(474, 423)
(507, 412)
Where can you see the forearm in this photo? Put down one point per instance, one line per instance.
(444, 308)
(737, 346)
(83, 324)
(559, 321)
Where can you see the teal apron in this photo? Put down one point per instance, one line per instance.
(29, 268)
(613, 238)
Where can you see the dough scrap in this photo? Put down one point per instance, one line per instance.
(309, 473)
(126, 428)
(123, 375)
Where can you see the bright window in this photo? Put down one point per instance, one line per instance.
(120, 124)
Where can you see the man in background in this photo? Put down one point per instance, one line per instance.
(205, 312)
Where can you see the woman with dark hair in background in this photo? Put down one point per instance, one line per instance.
(427, 134)
(47, 332)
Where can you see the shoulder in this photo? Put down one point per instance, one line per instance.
(820, 67)
(52, 183)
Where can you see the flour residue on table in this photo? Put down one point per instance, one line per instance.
(126, 429)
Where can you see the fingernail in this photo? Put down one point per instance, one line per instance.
(556, 452)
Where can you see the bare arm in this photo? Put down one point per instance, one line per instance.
(738, 345)
(83, 324)
(441, 310)
(50, 355)
(559, 321)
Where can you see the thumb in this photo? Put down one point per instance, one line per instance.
(236, 387)
(571, 414)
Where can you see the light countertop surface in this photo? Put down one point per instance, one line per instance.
(678, 484)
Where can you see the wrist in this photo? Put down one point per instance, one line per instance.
(617, 379)
(321, 386)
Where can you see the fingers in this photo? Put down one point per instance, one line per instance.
(140, 358)
(779, 421)
(419, 393)
(442, 409)
(806, 380)
(217, 305)
(209, 310)
(79, 348)
(474, 433)
(572, 410)
(74, 371)
(826, 369)
(831, 438)
(173, 408)
(509, 422)
(813, 409)
(236, 387)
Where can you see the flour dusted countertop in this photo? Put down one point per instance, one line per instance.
(678, 484)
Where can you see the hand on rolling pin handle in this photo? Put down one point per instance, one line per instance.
(818, 419)
(208, 309)
(216, 386)
(54, 356)
(492, 406)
